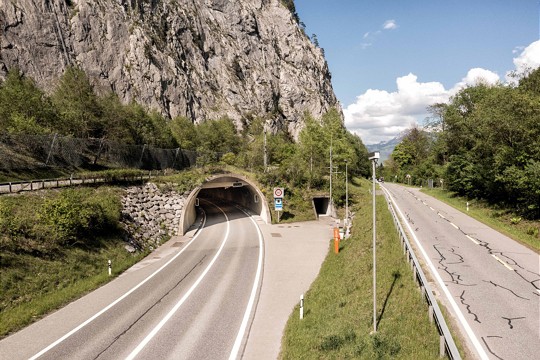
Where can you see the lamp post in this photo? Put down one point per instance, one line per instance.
(346, 194)
(374, 156)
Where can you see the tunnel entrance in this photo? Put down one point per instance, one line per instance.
(231, 188)
(321, 206)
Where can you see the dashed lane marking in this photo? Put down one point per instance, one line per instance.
(441, 215)
(472, 239)
(432, 209)
(454, 225)
(502, 262)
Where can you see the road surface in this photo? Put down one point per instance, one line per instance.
(493, 282)
(196, 303)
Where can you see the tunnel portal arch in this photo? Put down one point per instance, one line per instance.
(229, 187)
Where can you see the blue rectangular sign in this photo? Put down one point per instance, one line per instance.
(278, 204)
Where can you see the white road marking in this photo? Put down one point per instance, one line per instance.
(472, 239)
(441, 215)
(108, 307)
(249, 308)
(502, 262)
(454, 225)
(479, 349)
(163, 321)
(432, 209)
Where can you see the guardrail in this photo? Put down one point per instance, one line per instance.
(447, 345)
(32, 185)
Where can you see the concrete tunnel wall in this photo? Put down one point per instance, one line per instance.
(248, 196)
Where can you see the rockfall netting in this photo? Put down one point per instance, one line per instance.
(32, 151)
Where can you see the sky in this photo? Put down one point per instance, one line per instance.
(390, 59)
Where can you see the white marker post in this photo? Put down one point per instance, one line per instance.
(467, 206)
(301, 306)
(110, 272)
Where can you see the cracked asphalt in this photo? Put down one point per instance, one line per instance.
(494, 280)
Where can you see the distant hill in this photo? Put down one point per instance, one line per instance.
(386, 147)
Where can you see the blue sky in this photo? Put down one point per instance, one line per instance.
(431, 45)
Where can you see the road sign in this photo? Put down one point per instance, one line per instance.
(278, 204)
(278, 193)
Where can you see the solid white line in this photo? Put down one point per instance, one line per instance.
(454, 225)
(502, 262)
(472, 239)
(479, 349)
(243, 326)
(117, 300)
(158, 327)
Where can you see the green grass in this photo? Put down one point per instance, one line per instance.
(339, 306)
(504, 221)
(32, 286)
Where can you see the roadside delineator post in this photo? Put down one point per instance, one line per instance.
(336, 240)
(301, 306)
(110, 270)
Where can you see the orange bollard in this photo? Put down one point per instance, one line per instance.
(336, 240)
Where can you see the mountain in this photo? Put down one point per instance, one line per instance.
(202, 59)
(385, 148)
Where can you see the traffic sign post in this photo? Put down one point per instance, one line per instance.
(278, 200)
(279, 192)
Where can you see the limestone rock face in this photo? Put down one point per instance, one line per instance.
(203, 59)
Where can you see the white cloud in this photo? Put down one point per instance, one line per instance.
(390, 25)
(518, 49)
(474, 77)
(529, 59)
(379, 115)
(370, 36)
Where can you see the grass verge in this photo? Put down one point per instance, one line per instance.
(33, 286)
(524, 231)
(339, 306)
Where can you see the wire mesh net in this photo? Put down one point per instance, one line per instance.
(30, 151)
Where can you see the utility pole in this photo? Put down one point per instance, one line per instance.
(331, 202)
(374, 156)
(346, 194)
(265, 150)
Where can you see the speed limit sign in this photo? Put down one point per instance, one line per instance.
(278, 193)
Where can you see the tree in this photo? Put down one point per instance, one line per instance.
(24, 108)
(185, 133)
(78, 105)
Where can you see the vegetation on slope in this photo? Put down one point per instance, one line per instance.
(54, 247)
(485, 145)
(338, 307)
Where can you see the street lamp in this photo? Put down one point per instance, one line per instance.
(346, 194)
(374, 156)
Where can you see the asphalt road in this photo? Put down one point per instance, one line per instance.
(493, 282)
(198, 306)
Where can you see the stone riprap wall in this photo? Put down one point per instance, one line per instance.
(150, 215)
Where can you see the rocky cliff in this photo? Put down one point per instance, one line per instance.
(198, 58)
